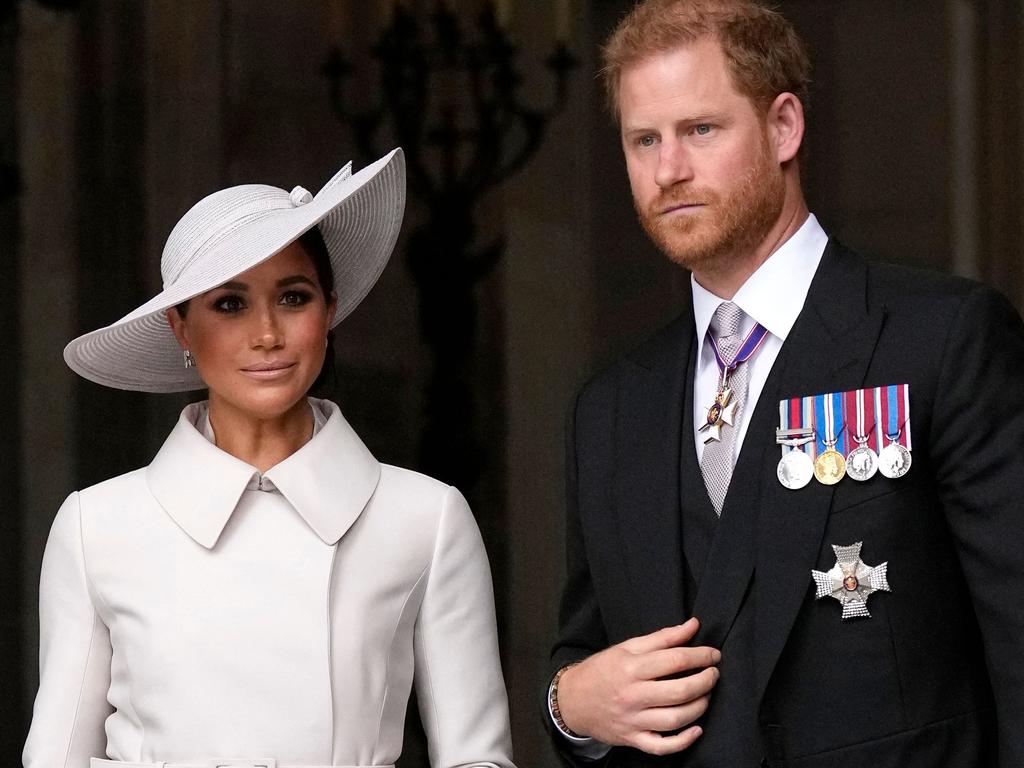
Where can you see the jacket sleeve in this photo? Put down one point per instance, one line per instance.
(581, 630)
(459, 685)
(74, 656)
(978, 450)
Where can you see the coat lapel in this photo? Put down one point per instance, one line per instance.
(828, 350)
(647, 439)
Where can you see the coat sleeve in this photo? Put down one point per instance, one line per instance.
(459, 685)
(581, 630)
(978, 450)
(74, 656)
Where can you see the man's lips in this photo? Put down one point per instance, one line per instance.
(683, 207)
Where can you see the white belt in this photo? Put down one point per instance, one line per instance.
(219, 763)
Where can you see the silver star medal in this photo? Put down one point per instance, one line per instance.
(851, 581)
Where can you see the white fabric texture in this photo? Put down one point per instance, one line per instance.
(186, 616)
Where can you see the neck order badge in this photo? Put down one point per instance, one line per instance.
(723, 411)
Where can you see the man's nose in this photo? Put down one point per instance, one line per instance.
(674, 164)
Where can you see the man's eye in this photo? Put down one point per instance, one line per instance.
(702, 129)
(228, 304)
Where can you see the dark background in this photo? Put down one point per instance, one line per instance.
(117, 115)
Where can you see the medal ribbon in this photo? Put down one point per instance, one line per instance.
(892, 406)
(798, 413)
(747, 350)
(858, 405)
(889, 407)
(825, 408)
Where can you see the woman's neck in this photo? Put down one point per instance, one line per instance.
(261, 442)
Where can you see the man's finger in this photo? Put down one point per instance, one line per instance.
(672, 661)
(670, 693)
(663, 638)
(657, 744)
(670, 719)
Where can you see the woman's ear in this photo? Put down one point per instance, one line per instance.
(177, 325)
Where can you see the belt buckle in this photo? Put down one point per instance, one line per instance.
(233, 763)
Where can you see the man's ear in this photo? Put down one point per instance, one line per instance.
(177, 325)
(786, 126)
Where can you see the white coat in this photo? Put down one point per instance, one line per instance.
(188, 616)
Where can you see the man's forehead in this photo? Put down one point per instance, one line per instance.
(693, 77)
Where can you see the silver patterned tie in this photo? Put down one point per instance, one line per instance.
(717, 460)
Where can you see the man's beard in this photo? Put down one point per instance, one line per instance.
(727, 227)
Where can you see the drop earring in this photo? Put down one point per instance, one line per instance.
(190, 362)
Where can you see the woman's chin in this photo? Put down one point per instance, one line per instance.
(269, 400)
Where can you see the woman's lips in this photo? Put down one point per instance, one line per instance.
(266, 371)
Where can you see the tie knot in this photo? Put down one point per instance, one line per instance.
(727, 320)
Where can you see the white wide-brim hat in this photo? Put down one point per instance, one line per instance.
(232, 231)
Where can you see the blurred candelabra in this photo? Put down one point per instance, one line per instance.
(449, 92)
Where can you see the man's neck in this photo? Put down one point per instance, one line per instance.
(728, 274)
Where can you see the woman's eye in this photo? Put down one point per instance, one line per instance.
(646, 141)
(296, 298)
(229, 304)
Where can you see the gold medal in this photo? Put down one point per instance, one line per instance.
(829, 467)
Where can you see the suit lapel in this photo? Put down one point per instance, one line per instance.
(647, 439)
(828, 350)
(831, 342)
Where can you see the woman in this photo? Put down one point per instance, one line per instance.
(265, 592)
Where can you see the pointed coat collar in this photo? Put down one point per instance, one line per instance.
(328, 480)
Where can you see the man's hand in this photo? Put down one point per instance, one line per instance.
(617, 697)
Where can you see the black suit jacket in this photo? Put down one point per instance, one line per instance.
(936, 676)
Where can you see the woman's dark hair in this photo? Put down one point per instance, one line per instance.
(312, 242)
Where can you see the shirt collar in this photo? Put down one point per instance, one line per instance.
(774, 295)
(328, 480)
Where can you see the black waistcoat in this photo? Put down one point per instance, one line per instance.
(731, 736)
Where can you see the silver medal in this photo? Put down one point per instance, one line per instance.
(894, 461)
(862, 463)
(795, 469)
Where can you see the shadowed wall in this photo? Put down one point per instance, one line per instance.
(123, 113)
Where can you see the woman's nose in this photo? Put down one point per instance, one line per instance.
(267, 333)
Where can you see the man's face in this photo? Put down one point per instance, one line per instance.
(706, 181)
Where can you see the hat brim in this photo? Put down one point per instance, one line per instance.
(359, 216)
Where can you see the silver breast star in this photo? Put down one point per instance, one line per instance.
(851, 581)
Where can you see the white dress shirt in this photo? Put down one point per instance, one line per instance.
(773, 296)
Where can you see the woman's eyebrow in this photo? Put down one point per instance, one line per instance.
(286, 281)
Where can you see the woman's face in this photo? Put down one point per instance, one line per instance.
(259, 340)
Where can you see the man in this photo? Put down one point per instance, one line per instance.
(689, 461)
